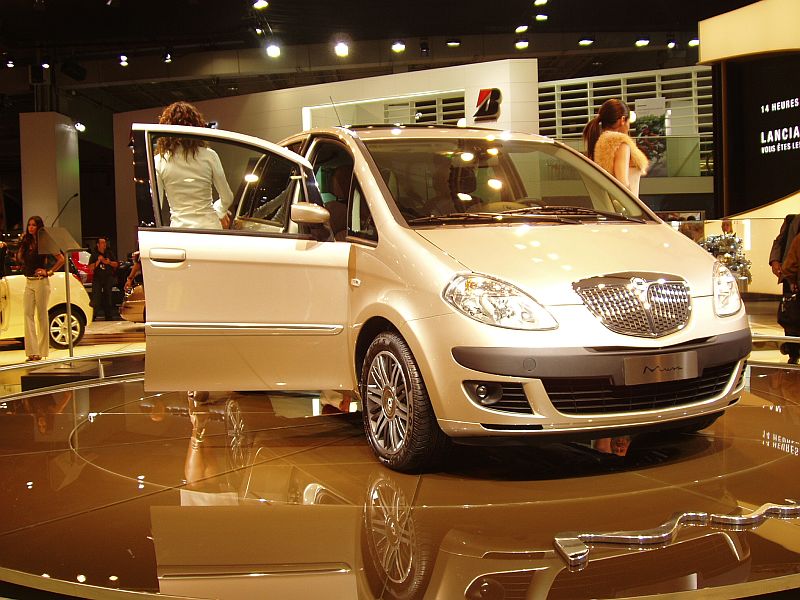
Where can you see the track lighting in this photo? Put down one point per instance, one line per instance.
(539, 2)
(671, 43)
(424, 48)
(521, 29)
(399, 46)
(45, 64)
(694, 42)
(586, 41)
(260, 4)
(273, 50)
(541, 17)
(80, 127)
(167, 57)
(642, 42)
(453, 43)
(341, 49)
(10, 62)
(123, 60)
(521, 44)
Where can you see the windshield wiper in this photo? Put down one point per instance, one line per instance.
(489, 217)
(575, 211)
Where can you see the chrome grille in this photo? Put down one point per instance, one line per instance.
(642, 305)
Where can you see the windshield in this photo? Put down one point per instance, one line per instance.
(522, 179)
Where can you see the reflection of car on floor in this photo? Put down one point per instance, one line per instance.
(468, 285)
(132, 308)
(12, 322)
(365, 532)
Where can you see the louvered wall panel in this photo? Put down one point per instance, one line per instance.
(565, 106)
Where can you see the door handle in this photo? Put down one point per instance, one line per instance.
(167, 255)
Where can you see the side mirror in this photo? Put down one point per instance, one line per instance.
(306, 213)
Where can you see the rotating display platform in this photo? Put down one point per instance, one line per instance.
(109, 490)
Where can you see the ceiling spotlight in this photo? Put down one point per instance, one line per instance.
(167, 57)
(586, 41)
(541, 17)
(45, 63)
(521, 44)
(521, 29)
(273, 50)
(10, 62)
(694, 42)
(424, 48)
(453, 43)
(123, 60)
(341, 49)
(642, 42)
(671, 43)
(112, 3)
(80, 126)
(539, 2)
(260, 4)
(399, 46)
(259, 31)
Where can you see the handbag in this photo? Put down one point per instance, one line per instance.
(789, 312)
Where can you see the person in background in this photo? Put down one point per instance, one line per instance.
(102, 264)
(37, 289)
(609, 145)
(727, 227)
(784, 259)
(187, 172)
(136, 270)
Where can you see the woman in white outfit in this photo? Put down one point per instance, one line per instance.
(188, 172)
(37, 289)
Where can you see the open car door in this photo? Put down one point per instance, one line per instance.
(256, 307)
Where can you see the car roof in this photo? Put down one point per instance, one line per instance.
(389, 131)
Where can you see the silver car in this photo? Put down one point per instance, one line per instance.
(464, 284)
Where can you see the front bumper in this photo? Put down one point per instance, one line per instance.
(578, 390)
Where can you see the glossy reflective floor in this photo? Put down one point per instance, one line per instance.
(108, 489)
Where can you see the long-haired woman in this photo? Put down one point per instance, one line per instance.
(609, 145)
(37, 289)
(188, 171)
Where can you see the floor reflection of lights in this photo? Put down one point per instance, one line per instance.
(278, 495)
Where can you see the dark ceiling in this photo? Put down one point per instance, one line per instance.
(94, 27)
(70, 32)
(75, 31)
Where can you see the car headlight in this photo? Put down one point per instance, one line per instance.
(726, 292)
(497, 303)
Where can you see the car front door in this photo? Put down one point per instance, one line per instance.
(262, 305)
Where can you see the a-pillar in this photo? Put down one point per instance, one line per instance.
(50, 170)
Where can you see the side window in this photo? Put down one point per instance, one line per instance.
(266, 194)
(200, 180)
(361, 223)
(333, 170)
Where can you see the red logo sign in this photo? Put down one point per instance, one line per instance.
(488, 105)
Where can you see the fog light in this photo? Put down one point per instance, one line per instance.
(484, 393)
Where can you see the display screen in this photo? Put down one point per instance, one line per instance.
(763, 133)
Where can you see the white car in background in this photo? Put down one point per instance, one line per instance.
(465, 284)
(12, 321)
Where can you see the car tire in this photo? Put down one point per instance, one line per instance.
(57, 320)
(399, 421)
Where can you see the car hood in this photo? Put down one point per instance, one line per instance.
(545, 260)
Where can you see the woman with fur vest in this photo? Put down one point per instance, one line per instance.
(609, 145)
